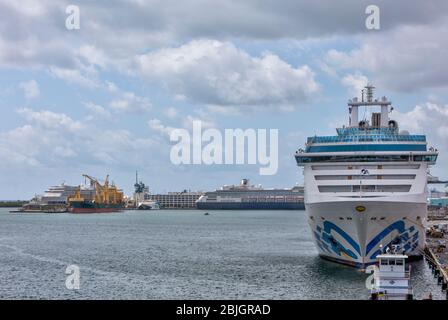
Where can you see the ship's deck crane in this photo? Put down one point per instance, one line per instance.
(104, 193)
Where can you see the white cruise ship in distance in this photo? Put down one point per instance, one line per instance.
(365, 188)
(250, 197)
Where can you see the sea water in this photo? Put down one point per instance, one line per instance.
(175, 254)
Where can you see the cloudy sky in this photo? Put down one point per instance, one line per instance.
(103, 99)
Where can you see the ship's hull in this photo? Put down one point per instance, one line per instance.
(355, 232)
(144, 207)
(250, 205)
(148, 207)
(89, 207)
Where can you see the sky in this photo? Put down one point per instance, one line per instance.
(103, 99)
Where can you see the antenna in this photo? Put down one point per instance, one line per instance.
(369, 89)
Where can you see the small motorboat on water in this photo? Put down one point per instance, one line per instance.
(148, 205)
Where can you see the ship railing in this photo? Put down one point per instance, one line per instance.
(366, 138)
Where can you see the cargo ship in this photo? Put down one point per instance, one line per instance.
(98, 198)
(251, 197)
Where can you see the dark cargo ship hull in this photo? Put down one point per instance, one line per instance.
(88, 207)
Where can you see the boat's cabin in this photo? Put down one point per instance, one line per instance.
(392, 262)
(392, 278)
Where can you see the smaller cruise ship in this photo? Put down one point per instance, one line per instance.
(251, 197)
(54, 200)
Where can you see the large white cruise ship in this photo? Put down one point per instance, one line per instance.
(365, 188)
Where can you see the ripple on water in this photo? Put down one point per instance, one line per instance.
(175, 255)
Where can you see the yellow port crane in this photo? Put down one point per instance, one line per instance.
(104, 193)
(100, 191)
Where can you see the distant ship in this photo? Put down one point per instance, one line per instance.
(148, 205)
(250, 197)
(54, 200)
(97, 198)
(365, 188)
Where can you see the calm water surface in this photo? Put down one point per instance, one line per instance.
(175, 255)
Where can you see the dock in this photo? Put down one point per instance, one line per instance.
(436, 250)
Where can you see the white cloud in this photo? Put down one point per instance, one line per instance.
(129, 102)
(98, 110)
(121, 102)
(51, 139)
(28, 8)
(427, 117)
(112, 87)
(157, 125)
(216, 77)
(430, 119)
(163, 130)
(407, 58)
(50, 120)
(32, 33)
(93, 55)
(30, 89)
(205, 123)
(218, 73)
(73, 76)
(171, 112)
(355, 83)
(220, 110)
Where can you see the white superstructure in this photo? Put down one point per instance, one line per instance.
(366, 186)
(58, 194)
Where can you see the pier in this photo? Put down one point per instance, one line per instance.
(436, 251)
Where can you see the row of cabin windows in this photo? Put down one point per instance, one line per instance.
(359, 167)
(365, 158)
(365, 188)
(392, 262)
(372, 218)
(366, 177)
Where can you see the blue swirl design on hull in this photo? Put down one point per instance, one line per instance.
(329, 244)
(408, 238)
